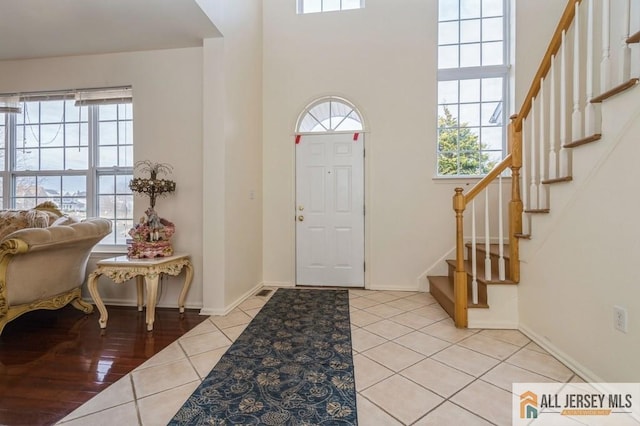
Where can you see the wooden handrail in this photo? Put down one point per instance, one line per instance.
(512, 161)
(487, 179)
(565, 22)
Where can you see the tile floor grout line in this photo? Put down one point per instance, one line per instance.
(135, 400)
(60, 422)
(444, 401)
(441, 326)
(475, 414)
(537, 372)
(476, 379)
(431, 354)
(380, 408)
(184, 351)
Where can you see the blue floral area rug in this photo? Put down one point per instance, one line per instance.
(292, 365)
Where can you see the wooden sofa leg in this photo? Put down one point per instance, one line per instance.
(81, 305)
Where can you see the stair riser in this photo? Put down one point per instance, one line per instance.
(495, 265)
(443, 300)
(482, 288)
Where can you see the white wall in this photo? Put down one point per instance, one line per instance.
(383, 59)
(167, 91)
(580, 261)
(199, 109)
(535, 23)
(233, 156)
(583, 260)
(243, 131)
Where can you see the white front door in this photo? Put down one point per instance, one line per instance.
(330, 210)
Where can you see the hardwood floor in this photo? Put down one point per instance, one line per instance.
(51, 362)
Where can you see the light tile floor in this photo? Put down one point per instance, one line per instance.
(412, 367)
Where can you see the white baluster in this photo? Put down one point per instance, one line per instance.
(589, 108)
(625, 50)
(605, 63)
(533, 186)
(474, 269)
(564, 152)
(501, 264)
(487, 238)
(576, 118)
(553, 113)
(525, 179)
(542, 190)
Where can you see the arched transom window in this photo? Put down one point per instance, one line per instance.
(329, 115)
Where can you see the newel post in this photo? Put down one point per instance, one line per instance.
(460, 277)
(515, 205)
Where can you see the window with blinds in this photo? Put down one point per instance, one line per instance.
(74, 148)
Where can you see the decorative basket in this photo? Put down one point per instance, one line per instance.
(150, 242)
(149, 249)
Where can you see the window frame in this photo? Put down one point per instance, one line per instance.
(477, 73)
(300, 7)
(329, 101)
(94, 170)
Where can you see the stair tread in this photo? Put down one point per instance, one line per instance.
(614, 91)
(444, 285)
(494, 249)
(537, 210)
(557, 180)
(634, 38)
(523, 236)
(584, 141)
(480, 272)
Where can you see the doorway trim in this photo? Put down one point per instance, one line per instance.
(333, 115)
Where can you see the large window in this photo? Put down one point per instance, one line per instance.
(72, 148)
(472, 85)
(313, 6)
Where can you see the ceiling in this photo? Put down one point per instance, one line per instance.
(45, 28)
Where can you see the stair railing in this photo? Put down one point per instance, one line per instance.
(558, 113)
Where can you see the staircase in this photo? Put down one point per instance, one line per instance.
(442, 286)
(559, 114)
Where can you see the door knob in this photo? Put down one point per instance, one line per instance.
(301, 208)
(301, 218)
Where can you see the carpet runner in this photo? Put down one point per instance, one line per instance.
(292, 365)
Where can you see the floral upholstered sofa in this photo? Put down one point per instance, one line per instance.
(43, 259)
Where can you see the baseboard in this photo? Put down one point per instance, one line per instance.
(582, 371)
(499, 325)
(391, 288)
(277, 284)
(130, 302)
(227, 309)
(439, 267)
(422, 283)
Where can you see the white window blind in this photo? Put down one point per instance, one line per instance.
(74, 148)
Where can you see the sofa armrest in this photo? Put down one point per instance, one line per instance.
(38, 263)
(40, 238)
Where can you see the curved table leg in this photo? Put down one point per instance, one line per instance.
(92, 284)
(152, 293)
(140, 291)
(185, 287)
